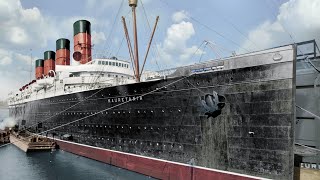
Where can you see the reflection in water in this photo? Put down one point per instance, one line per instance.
(56, 165)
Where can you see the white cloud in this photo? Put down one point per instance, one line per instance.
(65, 27)
(5, 60)
(174, 48)
(102, 4)
(97, 37)
(299, 18)
(22, 28)
(179, 16)
(8, 56)
(178, 34)
(24, 58)
(100, 7)
(5, 57)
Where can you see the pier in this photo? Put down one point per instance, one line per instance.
(28, 142)
(4, 137)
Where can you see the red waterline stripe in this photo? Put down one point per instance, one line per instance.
(157, 168)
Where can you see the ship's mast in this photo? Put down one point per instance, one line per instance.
(134, 54)
(133, 4)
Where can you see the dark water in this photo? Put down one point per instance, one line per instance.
(56, 165)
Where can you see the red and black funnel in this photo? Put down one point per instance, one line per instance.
(82, 41)
(39, 68)
(49, 63)
(63, 52)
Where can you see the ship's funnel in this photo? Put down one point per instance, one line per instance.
(82, 40)
(63, 52)
(49, 63)
(39, 68)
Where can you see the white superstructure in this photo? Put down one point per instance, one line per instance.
(96, 74)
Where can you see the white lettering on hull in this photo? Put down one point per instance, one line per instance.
(124, 99)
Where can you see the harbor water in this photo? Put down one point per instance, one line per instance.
(56, 165)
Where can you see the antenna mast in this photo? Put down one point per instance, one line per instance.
(135, 54)
(30, 63)
(133, 4)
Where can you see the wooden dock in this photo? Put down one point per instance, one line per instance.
(28, 142)
(4, 137)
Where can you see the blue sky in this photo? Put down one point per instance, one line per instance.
(32, 26)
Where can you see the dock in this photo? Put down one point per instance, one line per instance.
(28, 142)
(4, 137)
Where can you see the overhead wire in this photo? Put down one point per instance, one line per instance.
(209, 28)
(101, 111)
(202, 53)
(113, 26)
(308, 60)
(149, 26)
(293, 40)
(100, 69)
(80, 101)
(236, 28)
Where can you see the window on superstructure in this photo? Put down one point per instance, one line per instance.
(116, 64)
(103, 62)
(109, 63)
(113, 63)
(99, 62)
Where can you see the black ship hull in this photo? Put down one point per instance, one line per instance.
(238, 119)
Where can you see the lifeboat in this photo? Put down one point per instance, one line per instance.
(45, 82)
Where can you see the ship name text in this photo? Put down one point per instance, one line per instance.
(124, 99)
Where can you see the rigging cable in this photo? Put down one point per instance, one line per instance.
(209, 28)
(236, 28)
(102, 68)
(107, 44)
(149, 26)
(101, 111)
(308, 60)
(202, 53)
(294, 42)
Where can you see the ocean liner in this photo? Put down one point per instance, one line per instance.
(230, 118)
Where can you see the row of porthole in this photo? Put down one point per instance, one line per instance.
(120, 127)
(134, 142)
(114, 112)
(72, 99)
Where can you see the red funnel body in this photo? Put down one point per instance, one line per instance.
(49, 63)
(63, 57)
(63, 52)
(39, 68)
(39, 72)
(82, 40)
(82, 44)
